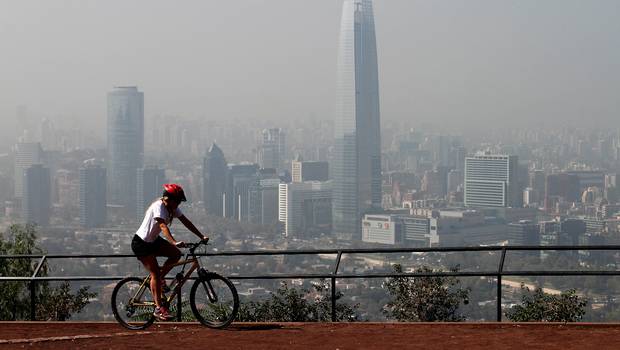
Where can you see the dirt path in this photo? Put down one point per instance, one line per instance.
(84, 335)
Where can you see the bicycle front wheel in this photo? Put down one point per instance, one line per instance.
(214, 300)
(132, 303)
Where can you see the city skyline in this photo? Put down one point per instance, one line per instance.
(451, 63)
(413, 167)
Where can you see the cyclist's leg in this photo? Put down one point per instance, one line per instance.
(166, 249)
(150, 263)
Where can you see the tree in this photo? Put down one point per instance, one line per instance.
(293, 305)
(539, 306)
(18, 240)
(52, 303)
(425, 299)
(59, 304)
(323, 305)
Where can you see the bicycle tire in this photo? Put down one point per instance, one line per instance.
(136, 321)
(214, 313)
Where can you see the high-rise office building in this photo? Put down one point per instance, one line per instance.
(523, 232)
(125, 145)
(241, 179)
(149, 187)
(263, 202)
(356, 169)
(460, 153)
(589, 178)
(93, 203)
(36, 201)
(47, 134)
(560, 187)
(491, 181)
(65, 187)
(272, 149)
(214, 174)
(435, 183)
(455, 179)
(440, 148)
(537, 183)
(309, 171)
(26, 155)
(305, 208)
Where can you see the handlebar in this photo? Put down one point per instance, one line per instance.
(193, 246)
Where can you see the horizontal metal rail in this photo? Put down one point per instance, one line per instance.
(334, 275)
(341, 276)
(343, 251)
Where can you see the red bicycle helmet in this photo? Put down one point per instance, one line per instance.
(174, 191)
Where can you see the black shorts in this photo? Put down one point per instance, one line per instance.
(142, 248)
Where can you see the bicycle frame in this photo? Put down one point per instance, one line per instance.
(180, 282)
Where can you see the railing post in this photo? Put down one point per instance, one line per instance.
(179, 303)
(33, 288)
(500, 270)
(334, 316)
(333, 289)
(33, 311)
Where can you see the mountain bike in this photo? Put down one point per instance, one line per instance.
(213, 298)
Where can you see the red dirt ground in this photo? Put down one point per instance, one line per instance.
(99, 335)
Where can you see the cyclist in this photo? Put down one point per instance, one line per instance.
(147, 244)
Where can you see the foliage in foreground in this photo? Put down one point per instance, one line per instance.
(56, 304)
(425, 299)
(293, 305)
(538, 306)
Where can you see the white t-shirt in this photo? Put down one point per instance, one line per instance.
(149, 230)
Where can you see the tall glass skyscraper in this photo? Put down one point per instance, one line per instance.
(125, 145)
(36, 201)
(357, 159)
(93, 209)
(272, 149)
(214, 175)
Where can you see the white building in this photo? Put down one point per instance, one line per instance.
(491, 181)
(384, 229)
(395, 229)
(305, 207)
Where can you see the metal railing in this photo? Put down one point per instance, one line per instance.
(334, 275)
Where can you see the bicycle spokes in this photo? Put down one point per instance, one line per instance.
(214, 300)
(132, 303)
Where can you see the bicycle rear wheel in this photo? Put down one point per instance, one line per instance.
(132, 303)
(214, 300)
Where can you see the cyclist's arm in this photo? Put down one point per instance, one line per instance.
(166, 231)
(190, 226)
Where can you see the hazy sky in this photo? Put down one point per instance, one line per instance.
(460, 61)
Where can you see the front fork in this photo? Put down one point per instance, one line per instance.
(205, 279)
